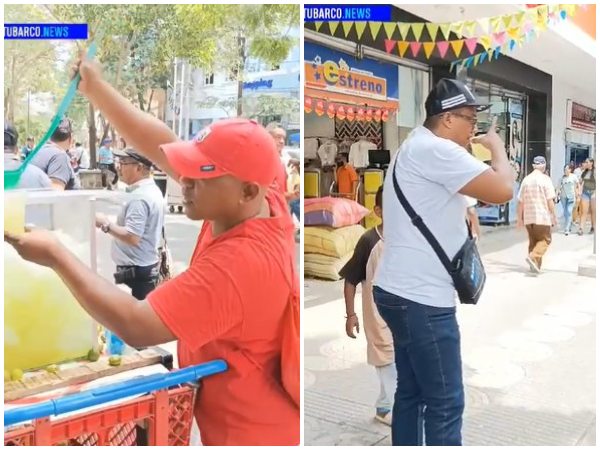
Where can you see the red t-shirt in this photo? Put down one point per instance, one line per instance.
(281, 180)
(229, 305)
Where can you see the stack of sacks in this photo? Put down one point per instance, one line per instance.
(331, 232)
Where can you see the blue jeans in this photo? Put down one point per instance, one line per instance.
(567, 205)
(295, 207)
(430, 388)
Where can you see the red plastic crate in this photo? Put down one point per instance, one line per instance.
(161, 418)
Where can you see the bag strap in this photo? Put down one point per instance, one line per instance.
(417, 221)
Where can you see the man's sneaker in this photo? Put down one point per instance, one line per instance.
(385, 418)
(532, 265)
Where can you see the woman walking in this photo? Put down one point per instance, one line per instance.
(588, 194)
(569, 191)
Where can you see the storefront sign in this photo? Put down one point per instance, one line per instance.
(581, 117)
(330, 73)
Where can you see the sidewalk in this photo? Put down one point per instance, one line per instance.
(528, 355)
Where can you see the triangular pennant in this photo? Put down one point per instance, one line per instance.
(452, 66)
(389, 45)
(482, 57)
(484, 24)
(347, 26)
(543, 13)
(496, 52)
(500, 38)
(445, 27)
(490, 53)
(332, 27)
(570, 9)
(513, 43)
(470, 27)
(563, 14)
(457, 27)
(428, 48)
(519, 17)
(404, 27)
(457, 47)
(514, 32)
(318, 26)
(389, 28)
(374, 27)
(432, 29)
(402, 47)
(417, 29)
(471, 44)
(414, 48)
(360, 28)
(486, 41)
(507, 20)
(496, 23)
(475, 61)
(442, 47)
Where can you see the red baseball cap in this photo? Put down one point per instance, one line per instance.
(238, 147)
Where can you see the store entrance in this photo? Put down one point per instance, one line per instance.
(577, 153)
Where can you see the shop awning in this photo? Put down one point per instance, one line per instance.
(352, 100)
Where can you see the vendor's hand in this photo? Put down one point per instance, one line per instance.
(491, 139)
(38, 246)
(101, 220)
(351, 324)
(90, 73)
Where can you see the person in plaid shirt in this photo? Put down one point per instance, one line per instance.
(536, 212)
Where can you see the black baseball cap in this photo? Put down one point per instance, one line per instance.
(130, 153)
(11, 136)
(449, 94)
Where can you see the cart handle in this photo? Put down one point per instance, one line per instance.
(105, 394)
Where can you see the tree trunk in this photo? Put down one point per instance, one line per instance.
(141, 100)
(92, 135)
(150, 101)
(240, 73)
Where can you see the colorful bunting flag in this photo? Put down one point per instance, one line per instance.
(442, 47)
(457, 47)
(389, 28)
(471, 44)
(470, 27)
(486, 41)
(513, 43)
(496, 23)
(389, 45)
(519, 18)
(428, 48)
(432, 29)
(500, 38)
(332, 27)
(404, 27)
(507, 20)
(360, 28)
(445, 27)
(484, 24)
(347, 26)
(375, 27)
(457, 28)
(417, 29)
(318, 25)
(482, 57)
(402, 47)
(513, 32)
(414, 48)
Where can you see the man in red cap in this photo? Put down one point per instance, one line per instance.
(238, 300)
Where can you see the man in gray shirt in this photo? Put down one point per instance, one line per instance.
(54, 160)
(139, 227)
(33, 177)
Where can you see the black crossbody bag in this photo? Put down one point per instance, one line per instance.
(465, 269)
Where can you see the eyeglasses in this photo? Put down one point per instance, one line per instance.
(471, 119)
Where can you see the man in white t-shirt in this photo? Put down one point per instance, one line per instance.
(413, 291)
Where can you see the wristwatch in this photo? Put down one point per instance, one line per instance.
(106, 227)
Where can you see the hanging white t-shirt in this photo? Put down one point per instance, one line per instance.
(327, 153)
(310, 148)
(430, 171)
(359, 153)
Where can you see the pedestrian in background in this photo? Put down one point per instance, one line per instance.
(138, 231)
(28, 147)
(106, 160)
(588, 195)
(536, 212)
(380, 344)
(568, 192)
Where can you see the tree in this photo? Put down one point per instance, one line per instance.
(268, 108)
(260, 31)
(28, 64)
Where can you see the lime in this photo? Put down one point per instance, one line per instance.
(52, 368)
(114, 360)
(93, 355)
